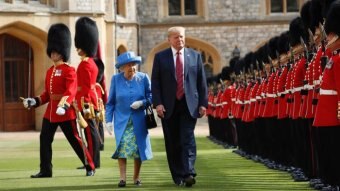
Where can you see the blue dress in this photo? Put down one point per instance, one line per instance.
(122, 94)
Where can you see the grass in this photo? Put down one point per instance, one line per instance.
(217, 169)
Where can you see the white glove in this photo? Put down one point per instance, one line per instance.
(109, 127)
(31, 102)
(60, 111)
(136, 104)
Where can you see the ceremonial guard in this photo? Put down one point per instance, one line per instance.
(327, 116)
(282, 115)
(86, 42)
(59, 93)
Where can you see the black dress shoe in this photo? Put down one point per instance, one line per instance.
(122, 183)
(90, 173)
(42, 175)
(189, 181)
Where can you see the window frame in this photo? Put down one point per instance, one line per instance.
(284, 11)
(200, 4)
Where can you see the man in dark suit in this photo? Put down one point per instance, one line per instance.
(179, 92)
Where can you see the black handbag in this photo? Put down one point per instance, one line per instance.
(150, 119)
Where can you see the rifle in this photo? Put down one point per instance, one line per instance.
(29, 78)
(292, 59)
(324, 58)
(305, 50)
(29, 75)
(82, 124)
(312, 43)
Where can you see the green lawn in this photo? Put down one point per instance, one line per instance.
(217, 169)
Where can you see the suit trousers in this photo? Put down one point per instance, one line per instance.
(180, 141)
(47, 133)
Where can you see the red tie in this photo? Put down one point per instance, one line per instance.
(179, 76)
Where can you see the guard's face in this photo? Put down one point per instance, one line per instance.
(56, 57)
(177, 40)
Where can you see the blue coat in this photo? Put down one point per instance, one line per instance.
(122, 94)
(164, 83)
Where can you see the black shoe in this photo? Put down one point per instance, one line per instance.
(189, 181)
(42, 175)
(81, 167)
(90, 172)
(122, 183)
(138, 183)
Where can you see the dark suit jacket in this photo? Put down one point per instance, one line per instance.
(163, 81)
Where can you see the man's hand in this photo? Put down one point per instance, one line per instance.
(60, 111)
(202, 111)
(136, 104)
(160, 111)
(29, 102)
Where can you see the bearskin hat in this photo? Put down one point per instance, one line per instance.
(272, 47)
(100, 64)
(283, 43)
(86, 37)
(297, 30)
(225, 74)
(316, 15)
(332, 22)
(248, 61)
(326, 4)
(239, 66)
(59, 40)
(306, 14)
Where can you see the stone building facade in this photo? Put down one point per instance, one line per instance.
(216, 27)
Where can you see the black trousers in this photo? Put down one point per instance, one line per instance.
(47, 133)
(327, 145)
(92, 136)
(180, 142)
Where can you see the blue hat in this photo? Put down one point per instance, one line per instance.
(127, 57)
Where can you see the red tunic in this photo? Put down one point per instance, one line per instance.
(282, 95)
(329, 98)
(246, 103)
(297, 85)
(288, 90)
(258, 98)
(275, 92)
(239, 102)
(218, 107)
(87, 72)
(226, 102)
(60, 82)
(253, 91)
(210, 100)
(269, 97)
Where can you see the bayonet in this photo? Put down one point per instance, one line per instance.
(311, 41)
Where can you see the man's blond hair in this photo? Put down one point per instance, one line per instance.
(175, 30)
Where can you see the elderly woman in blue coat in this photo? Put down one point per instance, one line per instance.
(130, 92)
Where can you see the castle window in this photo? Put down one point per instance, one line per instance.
(283, 6)
(182, 7)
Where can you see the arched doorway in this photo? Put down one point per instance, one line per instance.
(16, 73)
